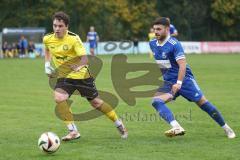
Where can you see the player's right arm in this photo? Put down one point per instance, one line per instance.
(47, 55)
(49, 70)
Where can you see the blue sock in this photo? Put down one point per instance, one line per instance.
(213, 112)
(163, 110)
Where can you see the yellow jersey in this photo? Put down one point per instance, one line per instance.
(151, 36)
(65, 52)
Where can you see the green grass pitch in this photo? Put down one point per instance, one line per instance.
(27, 110)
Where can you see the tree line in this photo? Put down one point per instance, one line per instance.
(205, 20)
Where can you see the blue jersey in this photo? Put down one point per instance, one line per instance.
(172, 29)
(92, 36)
(166, 56)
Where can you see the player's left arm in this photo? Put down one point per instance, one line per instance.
(181, 74)
(182, 69)
(181, 61)
(81, 59)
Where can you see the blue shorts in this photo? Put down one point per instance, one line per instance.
(92, 44)
(189, 90)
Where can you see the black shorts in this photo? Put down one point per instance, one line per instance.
(86, 87)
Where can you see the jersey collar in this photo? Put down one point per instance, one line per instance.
(63, 36)
(165, 41)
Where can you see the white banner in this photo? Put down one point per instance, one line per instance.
(127, 47)
(191, 47)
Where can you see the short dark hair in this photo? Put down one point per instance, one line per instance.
(61, 16)
(165, 21)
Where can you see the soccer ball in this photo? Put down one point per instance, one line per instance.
(49, 142)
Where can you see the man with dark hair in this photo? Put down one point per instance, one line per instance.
(178, 80)
(68, 54)
(61, 16)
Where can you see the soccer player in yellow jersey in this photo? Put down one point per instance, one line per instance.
(151, 36)
(66, 49)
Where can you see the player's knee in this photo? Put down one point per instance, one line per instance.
(157, 102)
(60, 98)
(202, 101)
(96, 102)
(60, 95)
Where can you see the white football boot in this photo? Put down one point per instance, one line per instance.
(71, 136)
(175, 131)
(229, 132)
(123, 131)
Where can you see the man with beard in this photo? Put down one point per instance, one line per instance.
(178, 80)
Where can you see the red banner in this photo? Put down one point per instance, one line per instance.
(220, 47)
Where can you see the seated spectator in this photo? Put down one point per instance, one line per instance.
(15, 50)
(4, 48)
(7, 50)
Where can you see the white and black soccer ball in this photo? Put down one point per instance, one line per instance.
(49, 142)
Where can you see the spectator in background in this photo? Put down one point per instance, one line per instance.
(7, 50)
(23, 44)
(18, 48)
(14, 49)
(31, 49)
(4, 48)
(92, 38)
(135, 46)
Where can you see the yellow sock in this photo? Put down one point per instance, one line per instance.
(64, 112)
(108, 111)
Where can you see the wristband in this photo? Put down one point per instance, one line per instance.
(179, 82)
(47, 64)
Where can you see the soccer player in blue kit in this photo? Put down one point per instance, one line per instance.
(178, 80)
(173, 30)
(92, 38)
